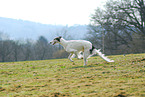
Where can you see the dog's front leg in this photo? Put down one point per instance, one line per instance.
(69, 57)
(71, 51)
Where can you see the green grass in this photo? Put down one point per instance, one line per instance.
(60, 77)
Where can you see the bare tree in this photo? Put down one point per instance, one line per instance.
(41, 48)
(135, 12)
(16, 50)
(121, 20)
(27, 50)
(5, 50)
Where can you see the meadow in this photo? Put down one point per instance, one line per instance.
(60, 77)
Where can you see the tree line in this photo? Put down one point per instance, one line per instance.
(119, 27)
(17, 50)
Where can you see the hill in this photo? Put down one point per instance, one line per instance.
(21, 29)
(60, 77)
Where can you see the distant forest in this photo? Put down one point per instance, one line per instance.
(12, 50)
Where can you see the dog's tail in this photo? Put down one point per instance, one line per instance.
(95, 51)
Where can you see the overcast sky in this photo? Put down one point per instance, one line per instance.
(64, 12)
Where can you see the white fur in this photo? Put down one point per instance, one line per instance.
(75, 47)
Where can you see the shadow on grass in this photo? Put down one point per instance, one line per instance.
(88, 66)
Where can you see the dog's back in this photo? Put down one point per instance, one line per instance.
(79, 45)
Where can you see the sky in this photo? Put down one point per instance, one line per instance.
(56, 12)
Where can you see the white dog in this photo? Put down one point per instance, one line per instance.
(75, 47)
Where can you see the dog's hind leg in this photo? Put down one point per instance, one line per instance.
(79, 55)
(86, 54)
(70, 56)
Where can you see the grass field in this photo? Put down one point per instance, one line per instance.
(60, 77)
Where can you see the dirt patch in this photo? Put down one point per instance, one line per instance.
(138, 60)
(57, 94)
(2, 89)
(122, 94)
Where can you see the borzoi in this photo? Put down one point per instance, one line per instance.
(75, 47)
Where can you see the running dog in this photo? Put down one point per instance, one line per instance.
(75, 47)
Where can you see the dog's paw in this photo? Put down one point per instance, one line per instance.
(73, 63)
(80, 58)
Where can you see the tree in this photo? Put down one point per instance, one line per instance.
(41, 48)
(120, 21)
(110, 31)
(16, 50)
(6, 50)
(27, 50)
(135, 12)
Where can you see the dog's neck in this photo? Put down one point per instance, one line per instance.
(63, 42)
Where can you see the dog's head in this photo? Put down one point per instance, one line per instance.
(55, 40)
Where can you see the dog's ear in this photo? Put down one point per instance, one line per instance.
(60, 36)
